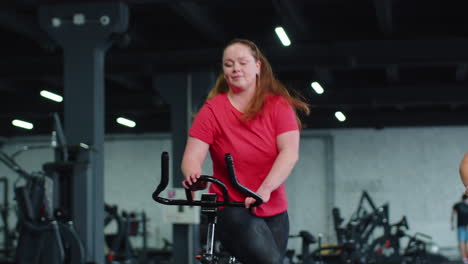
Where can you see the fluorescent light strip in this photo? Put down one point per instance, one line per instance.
(51, 96)
(317, 87)
(85, 146)
(340, 116)
(126, 122)
(282, 36)
(22, 124)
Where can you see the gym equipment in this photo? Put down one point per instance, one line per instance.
(44, 235)
(209, 203)
(307, 239)
(353, 237)
(417, 252)
(7, 250)
(46, 232)
(356, 246)
(118, 243)
(387, 248)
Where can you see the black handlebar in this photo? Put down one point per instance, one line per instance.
(189, 201)
(232, 176)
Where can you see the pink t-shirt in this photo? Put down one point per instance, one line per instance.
(252, 145)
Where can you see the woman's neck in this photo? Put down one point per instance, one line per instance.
(240, 100)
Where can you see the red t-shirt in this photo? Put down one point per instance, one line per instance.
(252, 145)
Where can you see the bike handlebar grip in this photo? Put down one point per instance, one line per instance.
(188, 195)
(164, 175)
(232, 177)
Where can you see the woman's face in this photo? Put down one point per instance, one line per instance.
(240, 67)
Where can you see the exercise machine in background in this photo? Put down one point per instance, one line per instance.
(45, 228)
(125, 226)
(369, 238)
(8, 235)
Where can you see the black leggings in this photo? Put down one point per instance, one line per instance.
(252, 239)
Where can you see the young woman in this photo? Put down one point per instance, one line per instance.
(250, 115)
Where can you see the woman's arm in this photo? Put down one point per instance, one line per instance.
(288, 147)
(192, 161)
(464, 171)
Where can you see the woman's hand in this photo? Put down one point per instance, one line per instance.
(190, 179)
(192, 182)
(265, 195)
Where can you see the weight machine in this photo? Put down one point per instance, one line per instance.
(45, 226)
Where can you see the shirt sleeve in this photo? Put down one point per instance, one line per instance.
(203, 125)
(285, 117)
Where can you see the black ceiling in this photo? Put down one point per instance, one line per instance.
(382, 62)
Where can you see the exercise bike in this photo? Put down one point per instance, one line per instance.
(209, 203)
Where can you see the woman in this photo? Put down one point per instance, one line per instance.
(250, 115)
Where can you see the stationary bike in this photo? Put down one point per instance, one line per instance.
(209, 202)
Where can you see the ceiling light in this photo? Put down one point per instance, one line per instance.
(282, 36)
(51, 96)
(126, 122)
(340, 116)
(317, 87)
(22, 124)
